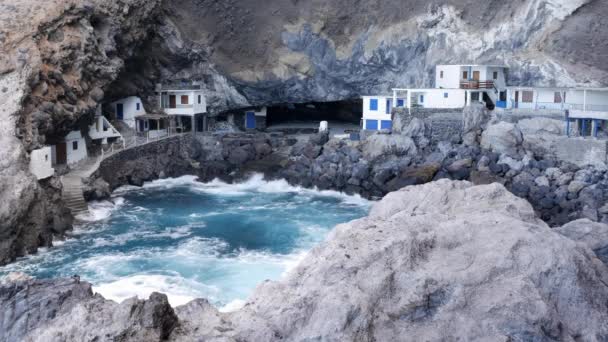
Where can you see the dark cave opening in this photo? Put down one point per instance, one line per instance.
(342, 112)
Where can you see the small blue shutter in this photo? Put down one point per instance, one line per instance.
(371, 125)
(373, 104)
(400, 103)
(389, 103)
(250, 124)
(386, 124)
(421, 98)
(138, 106)
(445, 95)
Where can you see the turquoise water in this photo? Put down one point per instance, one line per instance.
(190, 240)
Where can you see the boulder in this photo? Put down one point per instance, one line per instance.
(502, 137)
(592, 234)
(384, 144)
(441, 261)
(474, 117)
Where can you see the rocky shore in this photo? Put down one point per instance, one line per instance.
(447, 260)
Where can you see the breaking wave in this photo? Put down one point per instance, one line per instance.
(191, 240)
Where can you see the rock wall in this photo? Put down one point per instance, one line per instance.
(58, 56)
(441, 261)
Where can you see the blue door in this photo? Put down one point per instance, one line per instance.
(141, 126)
(119, 111)
(400, 103)
(389, 106)
(371, 125)
(250, 120)
(386, 124)
(421, 98)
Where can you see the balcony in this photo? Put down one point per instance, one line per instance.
(474, 84)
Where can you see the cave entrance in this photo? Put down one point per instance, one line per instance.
(342, 116)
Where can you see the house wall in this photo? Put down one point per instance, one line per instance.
(75, 155)
(379, 115)
(435, 98)
(596, 100)
(451, 76)
(41, 163)
(130, 110)
(193, 107)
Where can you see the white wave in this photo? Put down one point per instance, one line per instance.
(233, 306)
(101, 210)
(255, 183)
(179, 290)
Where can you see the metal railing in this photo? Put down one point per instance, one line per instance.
(474, 84)
(589, 107)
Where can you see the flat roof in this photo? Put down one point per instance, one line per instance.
(476, 65)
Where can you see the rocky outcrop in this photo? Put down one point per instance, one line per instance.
(442, 261)
(58, 57)
(67, 310)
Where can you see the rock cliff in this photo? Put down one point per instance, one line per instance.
(441, 261)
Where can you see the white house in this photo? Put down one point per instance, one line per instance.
(102, 129)
(41, 163)
(72, 150)
(588, 108)
(186, 104)
(456, 86)
(127, 109)
(377, 112)
(255, 118)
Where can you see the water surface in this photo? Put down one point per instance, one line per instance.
(191, 240)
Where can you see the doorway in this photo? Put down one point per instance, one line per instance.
(172, 101)
(62, 153)
(119, 111)
(476, 75)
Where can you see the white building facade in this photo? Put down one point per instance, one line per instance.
(185, 104)
(41, 163)
(127, 109)
(72, 150)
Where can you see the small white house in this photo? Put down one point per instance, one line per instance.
(72, 150)
(41, 163)
(127, 109)
(186, 104)
(377, 112)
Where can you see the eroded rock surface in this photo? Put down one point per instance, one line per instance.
(442, 261)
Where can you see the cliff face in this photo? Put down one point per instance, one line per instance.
(294, 51)
(57, 59)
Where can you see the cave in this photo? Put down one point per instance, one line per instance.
(342, 116)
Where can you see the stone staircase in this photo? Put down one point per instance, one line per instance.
(73, 194)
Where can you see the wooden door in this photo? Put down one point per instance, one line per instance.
(476, 75)
(172, 101)
(61, 152)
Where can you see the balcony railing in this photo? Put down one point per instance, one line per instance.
(589, 107)
(473, 84)
(179, 106)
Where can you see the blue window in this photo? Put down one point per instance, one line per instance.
(421, 98)
(445, 95)
(389, 106)
(373, 104)
(371, 125)
(138, 104)
(250, 120)
(400, 103)
(199, 99)
(386, 124)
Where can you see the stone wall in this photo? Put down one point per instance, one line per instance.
(442, 124)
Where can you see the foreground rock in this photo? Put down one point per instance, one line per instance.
(442, 261)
